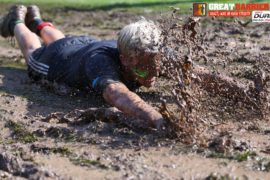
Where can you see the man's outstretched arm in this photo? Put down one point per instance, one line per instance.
(118, 95)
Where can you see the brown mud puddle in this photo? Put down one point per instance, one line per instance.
(39, 139)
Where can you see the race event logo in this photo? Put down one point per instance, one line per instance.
(199, 9)
(261, 16)
(233, 10)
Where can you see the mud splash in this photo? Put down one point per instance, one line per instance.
(183, 47)
(182, 42)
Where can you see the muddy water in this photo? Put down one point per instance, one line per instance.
(225, 137)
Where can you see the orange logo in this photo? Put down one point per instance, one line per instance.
(199, 9)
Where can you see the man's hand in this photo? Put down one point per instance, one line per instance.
(118, 95)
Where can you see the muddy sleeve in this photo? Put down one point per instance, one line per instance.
(100, 83)
(102, 70)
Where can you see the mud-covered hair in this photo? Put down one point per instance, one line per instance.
(141, 36)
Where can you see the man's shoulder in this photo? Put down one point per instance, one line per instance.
(105, 50)
(107, 43)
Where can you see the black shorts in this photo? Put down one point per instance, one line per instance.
(38, 66)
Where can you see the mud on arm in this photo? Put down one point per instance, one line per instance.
(118, 95)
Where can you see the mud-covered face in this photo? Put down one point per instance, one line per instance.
(144, 68)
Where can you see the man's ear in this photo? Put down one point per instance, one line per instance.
(124, 60)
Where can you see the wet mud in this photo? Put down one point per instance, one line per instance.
(216, 128)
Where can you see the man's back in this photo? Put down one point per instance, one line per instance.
(79, 61)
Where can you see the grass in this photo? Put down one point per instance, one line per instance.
(81, 161)
(75, 159)
(13, 65)
(259, 163)
(64, 151)
(243, 156)
(156, 5)
(20, 133)
(214, 176)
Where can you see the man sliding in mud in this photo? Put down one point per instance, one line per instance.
(108, 67)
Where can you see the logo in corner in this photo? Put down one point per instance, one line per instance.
(261, 16)
(199, 9)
